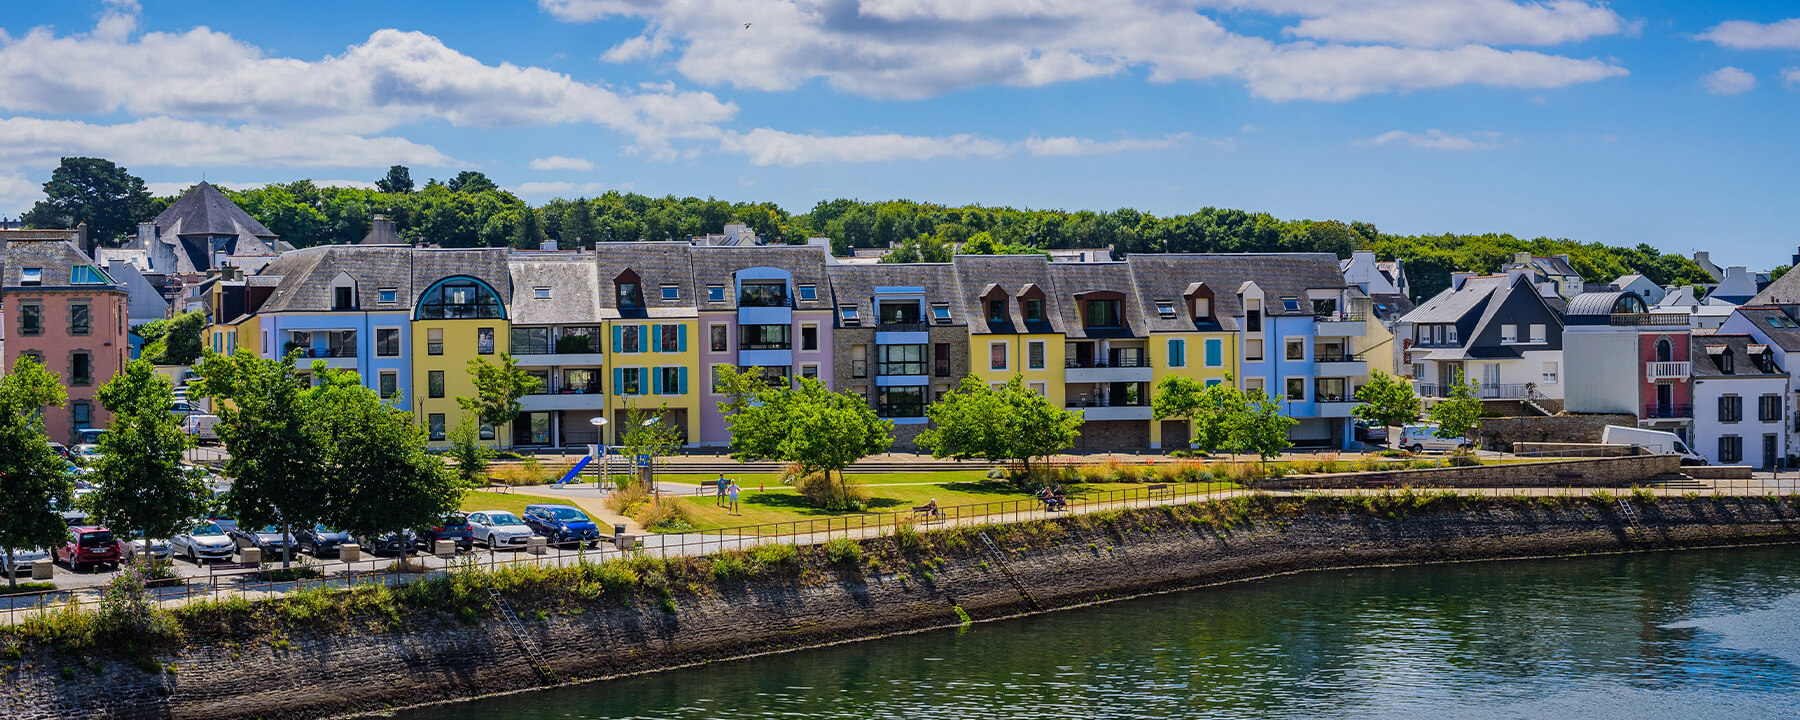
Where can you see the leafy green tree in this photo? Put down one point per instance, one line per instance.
(1008, 424)
(398, 180)
(380, 477)
(1458, 415)
(94, 191)
(1209, 409)
(141, 487)
(1180, 398)
(1259, 428)
(527, 230)
(577, 225)
(1386, 401)
(819, 430)
(34, 480)
(498, 387)
(471, 181)
(470, 455)
(275, 454)
(175, 341)
(927, 248)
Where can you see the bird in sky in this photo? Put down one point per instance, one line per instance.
(746, 26)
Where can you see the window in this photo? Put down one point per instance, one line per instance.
(907, 401)
(434, 341)
(434, 384)
(581, 381)
(1034, 355)
(1768, 408)
(720, 338)
(1329, 390)
(388, 296)
(435, 422)
(941, 359)
(630, 296)
(1296, 388)
(669, 381)
(859, 361)
(940, 313)
(343, 297)
(1253, 349)
(765, 337)
(1550, 375)
(997, 356)
(459, 299)
(540, 293)
(79, 317)
(486, 431)
(87, 275)
(996, 311)
(1253, 315)
(1165, 309)
(530, 341)
(898, 313)
(809, 292)
(81, 369)
(715, 293)
(1034, 309)
(1296, 349)
(1450, 334)
(848, 315)
(387, 342)
(1731, 449)
(809, 371)
(900, 360)
(31, 276)
(1731, 408)
(628, 381)
(671, 292)
(1290, 304)
(390, 385)
(1215, 352)
(629, 338)
(31, 319)
(1202, 308)
(763, 294)
(484, 341)
(776, 376)
(671, 338)
(83, 415)
(1177, 353)
(1101, 314)
(718, 378)
(1537, 334)
(1040, 388)
(1509, 333)
(809, 337)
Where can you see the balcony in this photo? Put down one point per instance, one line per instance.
(564, 395)
(1096, 410)
(1670, 411)
(1117, 369)
(1484, 392)
(1654, 371)
(1351, 323)
(1328, 363)
(901, 326)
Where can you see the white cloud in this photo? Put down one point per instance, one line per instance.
(1436, 140)
(765, 146)
(540, 191)
(1747, 35)
(1061, 146)
(909, 49)
(1729, 81)
(186, 143)
(1791, 77)
(17, 194)
(558, 162)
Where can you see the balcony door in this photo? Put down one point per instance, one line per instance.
(1665, 398)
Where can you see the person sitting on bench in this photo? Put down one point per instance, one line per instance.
(1053, 499)
(931, 509)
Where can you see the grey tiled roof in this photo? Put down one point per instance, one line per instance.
(1453, 303)
(572, 280)
(303, 277)
(656, 264)
(715, 265)
(1787, 338)
(1784, 291)
(57, 259)
(1278, 275)
(1011, 273)
(203, 210)
(855, 285)
(1074, 279)
(1705, 364)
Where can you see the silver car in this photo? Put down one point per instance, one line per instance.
(206, 541)
(499, 529)
(158, 549)
(21, 561)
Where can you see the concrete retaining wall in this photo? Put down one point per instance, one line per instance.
(1580, 472)
(371, 667)
(1718, 472)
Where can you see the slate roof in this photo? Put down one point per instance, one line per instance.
(1391, 306)
(975, 274)
(56, 259)
(854, 284)
(1785, 290)
(1704, 363)
(1075, 279)
(303, 278)
(1453, 303)
(1553, 265)
(1773, 322)
(573, 282)
(430, 265)
(1166, 278)
(717, 264)
(656, 264)
(202, 214)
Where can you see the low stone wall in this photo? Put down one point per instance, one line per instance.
(1718, 472)
(1579, 472)
(372, 667)
(1499, 433)
(1573, 449)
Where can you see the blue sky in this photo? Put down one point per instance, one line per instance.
(1664, 122)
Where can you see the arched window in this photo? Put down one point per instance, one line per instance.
(1664, 352)
(460, 298)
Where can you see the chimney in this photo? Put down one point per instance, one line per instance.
(547, 246)
(81, 239)
(1457, 278)
(1795, 260)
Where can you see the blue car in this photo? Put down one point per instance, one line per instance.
(562, 525)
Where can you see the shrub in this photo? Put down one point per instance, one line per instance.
(728, 564)
(777, 554)
(1128, 473)
(1643, 495)
(127, 613)
(843, 551)
(841, 494)
(908, 536)
(1094, 473)
(662, 514)
(628, 498)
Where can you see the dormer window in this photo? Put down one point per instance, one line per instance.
(1726, 363)
(31, 276)
(1034, 310)
(628, 291)
(1101, 313)
(715, 293)
(1202, 308)
(343, 298)
(1165, 309)
(87, 275)
(848, 315)
(996, 311)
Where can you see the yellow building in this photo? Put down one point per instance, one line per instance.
(460, 315)
(651, 330)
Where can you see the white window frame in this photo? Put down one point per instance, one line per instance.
(1043, 354)
(1254, 383)
(1261, 352)
(1005, 355)
(1539, 333)
(1040, 387)
(1509, 333)
(1551, 373)
(1289, 340)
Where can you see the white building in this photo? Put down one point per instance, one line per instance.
(1739, 401)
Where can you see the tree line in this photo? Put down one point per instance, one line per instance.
(470, 210)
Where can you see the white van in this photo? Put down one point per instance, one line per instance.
(1656, 441)
(1422, 437)
(201, 426)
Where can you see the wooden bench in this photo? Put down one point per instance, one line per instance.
(1054, 503)
(1159, 490)
(498, 485)
(927, 512)
(706, 485)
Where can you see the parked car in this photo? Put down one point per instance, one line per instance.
(320, 541)
(1421, 437)
(87, 453)
(394, 543)
(1369, 433)
(454, 526)
(63, 450)
(269, 539)
(89, 436)
(202, 427)
(562, 524)
(184, 407)
(21, 561)
(499, 529)
(158, 549)
(205, 541)
(89, 545)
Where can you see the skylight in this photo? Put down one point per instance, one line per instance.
(940, 313)
(31, 276)
(542, 293)
(809, 292)
(1165, 308)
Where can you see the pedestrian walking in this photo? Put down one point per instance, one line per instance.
(734, 498)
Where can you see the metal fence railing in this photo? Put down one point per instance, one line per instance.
(227, 581)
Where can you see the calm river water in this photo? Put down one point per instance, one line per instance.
(1704, 634)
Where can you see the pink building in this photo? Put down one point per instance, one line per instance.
(69, 314)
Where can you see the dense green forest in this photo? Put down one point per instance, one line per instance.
(469, 210)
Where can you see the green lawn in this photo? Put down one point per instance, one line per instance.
(750, 480)
(479, 500)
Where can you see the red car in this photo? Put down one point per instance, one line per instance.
(90, 546)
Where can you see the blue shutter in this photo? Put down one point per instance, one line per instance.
(618, 338)
(655, 338)
(681, 337)
(681, 376)
(618, 377)
(1215, 350)
(656, 381)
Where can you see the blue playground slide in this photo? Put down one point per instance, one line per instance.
(585, 459)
